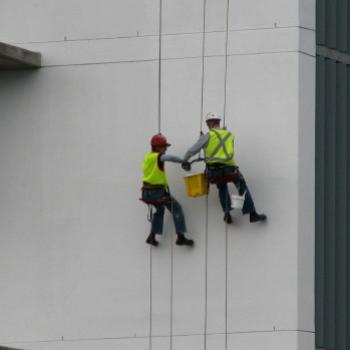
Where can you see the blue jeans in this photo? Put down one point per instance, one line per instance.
(241, 185)
(171, 204)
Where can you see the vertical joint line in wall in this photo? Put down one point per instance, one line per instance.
(226, 54)
(160, 66)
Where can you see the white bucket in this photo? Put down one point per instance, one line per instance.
(237, 201)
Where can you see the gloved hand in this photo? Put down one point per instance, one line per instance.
(186, 166)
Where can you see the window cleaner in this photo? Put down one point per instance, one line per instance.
(155, 191)
(221, 168)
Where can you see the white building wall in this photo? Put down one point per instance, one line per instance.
(75, 271)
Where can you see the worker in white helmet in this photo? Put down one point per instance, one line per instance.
(218, 146)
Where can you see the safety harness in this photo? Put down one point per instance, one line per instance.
(215, 167)
(221, 145)
(221, 178)
(153, 202)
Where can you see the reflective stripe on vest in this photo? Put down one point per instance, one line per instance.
(151, 172)
(220, 147)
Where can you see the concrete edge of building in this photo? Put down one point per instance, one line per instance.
(14, 57)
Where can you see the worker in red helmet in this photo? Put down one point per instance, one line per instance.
(155, 191)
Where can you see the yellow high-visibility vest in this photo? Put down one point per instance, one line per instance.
(220, 147)
(151, 172)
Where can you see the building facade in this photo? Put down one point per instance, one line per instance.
(75, 272)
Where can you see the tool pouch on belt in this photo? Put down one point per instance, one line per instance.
(154, 195)
(219, 174)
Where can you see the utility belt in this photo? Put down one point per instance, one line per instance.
(213, 166)
(154, 194)
(218, 173)
(148, 186)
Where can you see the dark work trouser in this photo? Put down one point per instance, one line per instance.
(241, 185)
(171, 204)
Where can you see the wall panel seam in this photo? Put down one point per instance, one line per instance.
(156, 35)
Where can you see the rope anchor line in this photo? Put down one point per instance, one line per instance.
(207, 205)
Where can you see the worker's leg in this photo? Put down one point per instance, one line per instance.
(224, 197)
(178, 216)
(179, 220)
(248, 206)
(218, 172)
(157, 220)
(158, 216)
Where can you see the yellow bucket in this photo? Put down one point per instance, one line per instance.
(196, 185)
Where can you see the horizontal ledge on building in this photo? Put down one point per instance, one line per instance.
(14, 57)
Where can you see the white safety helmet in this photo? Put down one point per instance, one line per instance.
(213, 116)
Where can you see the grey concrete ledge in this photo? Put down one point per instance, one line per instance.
(13, 57)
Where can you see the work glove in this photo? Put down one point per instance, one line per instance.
(186, 166)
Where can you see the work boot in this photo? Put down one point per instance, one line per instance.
(151, 239)
(228, 218)
(255, 217)
(182, 240)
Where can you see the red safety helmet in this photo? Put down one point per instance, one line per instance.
(159, 140)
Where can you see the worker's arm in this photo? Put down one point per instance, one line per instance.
(170, 158)
(201, 143)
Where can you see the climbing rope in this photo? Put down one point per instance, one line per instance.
(205, 326)
(159, 131)
(203, 63)
(160, 65)
(150, 299)
(224, 117)
(207, 205)
(226, 56)
(150, 213)
(207, 209)
(171, 285)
